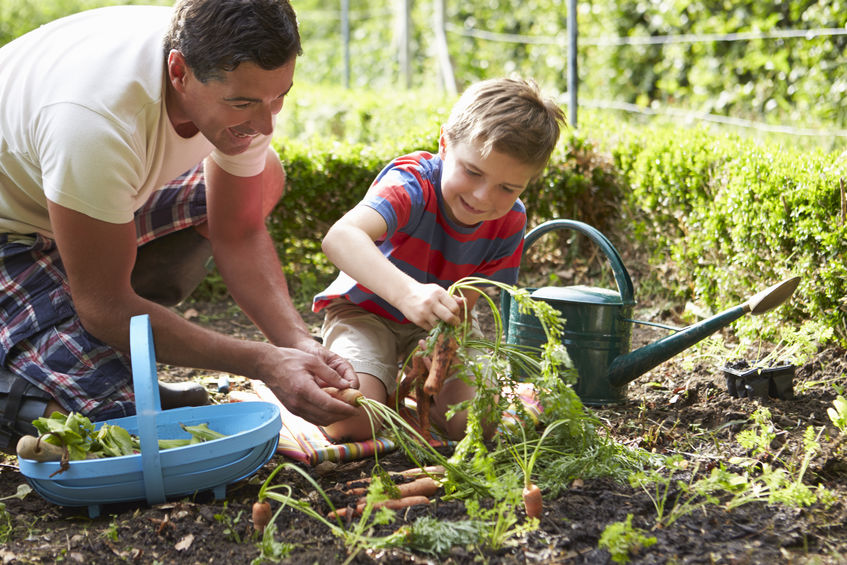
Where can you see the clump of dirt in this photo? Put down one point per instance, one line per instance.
(680, 408)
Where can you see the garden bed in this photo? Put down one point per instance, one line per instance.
(682, 407)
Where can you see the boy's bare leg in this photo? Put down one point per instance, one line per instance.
(358, 428)
(454, 391)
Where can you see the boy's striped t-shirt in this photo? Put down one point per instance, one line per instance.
(424, 243)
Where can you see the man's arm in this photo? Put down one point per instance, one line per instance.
(244, 251)
(246, 257)
(98, 258)
(349, 244)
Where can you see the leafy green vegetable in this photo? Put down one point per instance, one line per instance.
(77, 434)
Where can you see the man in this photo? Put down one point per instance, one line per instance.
(100, 111)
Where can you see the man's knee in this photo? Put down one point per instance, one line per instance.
(168, 269)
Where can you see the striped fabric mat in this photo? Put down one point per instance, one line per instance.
(305, 442)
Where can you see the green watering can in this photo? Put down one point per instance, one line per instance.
(598, 323)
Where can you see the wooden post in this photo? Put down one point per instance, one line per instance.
(404, 41)
(573, 80)
(345, 39)
(448, 79)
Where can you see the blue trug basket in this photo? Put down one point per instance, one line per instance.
(252, 430)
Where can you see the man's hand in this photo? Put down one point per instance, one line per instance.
(296, 378)
(345, 376)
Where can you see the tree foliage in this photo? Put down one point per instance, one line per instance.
(799, 80)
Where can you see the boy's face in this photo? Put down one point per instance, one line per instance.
(477, 188)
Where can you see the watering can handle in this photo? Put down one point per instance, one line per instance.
(621, 275)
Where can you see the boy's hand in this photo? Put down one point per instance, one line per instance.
(425, 304)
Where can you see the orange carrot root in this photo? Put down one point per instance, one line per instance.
(415, 373)
(393, 504)
(443, 354)
(413, 473)
(349, 395)
(416, 472)
(532, 501)
(424, 403)
(261, 515)
(424, 486)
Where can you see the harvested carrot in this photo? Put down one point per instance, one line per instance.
(424, 402)
(443, 354)
(31, 447)
(349, 395)
(415, 374)
(437, 470)
(532, 500)
(392, 503)
(413, 473)
(261, 515)
(424, 486)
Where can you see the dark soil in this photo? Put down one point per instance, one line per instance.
(681, 407)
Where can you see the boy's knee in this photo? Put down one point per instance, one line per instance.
(356, 428)
(455, 427)
(360, 427)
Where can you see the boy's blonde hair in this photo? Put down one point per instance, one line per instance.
(509, 116)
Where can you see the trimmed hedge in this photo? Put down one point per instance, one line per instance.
(734, 215)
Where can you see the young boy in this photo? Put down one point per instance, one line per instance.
(426, 222)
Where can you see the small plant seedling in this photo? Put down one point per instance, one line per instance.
(532, 498)
(6, 525)
(622, 538)
(230, 523)
(838, 413)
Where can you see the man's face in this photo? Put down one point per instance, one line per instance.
(477, 188)
(232, 111)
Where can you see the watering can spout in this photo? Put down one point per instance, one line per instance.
(630, 366)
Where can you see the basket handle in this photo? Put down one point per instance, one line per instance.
(622, 277)
(147, 405)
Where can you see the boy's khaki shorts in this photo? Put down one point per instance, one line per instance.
(372, 344)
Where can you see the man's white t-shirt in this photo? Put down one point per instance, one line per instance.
(83, 121)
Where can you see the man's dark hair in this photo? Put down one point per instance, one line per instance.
(216, 36)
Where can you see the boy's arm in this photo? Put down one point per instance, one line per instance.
(349, 244)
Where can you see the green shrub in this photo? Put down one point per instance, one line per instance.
(733, 216)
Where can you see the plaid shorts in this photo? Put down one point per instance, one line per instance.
(41, 336)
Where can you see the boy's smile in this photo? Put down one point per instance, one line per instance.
(477, 188)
